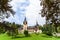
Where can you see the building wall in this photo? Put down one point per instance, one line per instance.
(25, 27)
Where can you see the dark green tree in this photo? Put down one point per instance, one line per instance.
(51, 10)
(5, 9)
(47, 29)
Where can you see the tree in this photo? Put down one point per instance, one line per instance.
(5, 9)
(51, 10)
(47, 29)
(40, 27)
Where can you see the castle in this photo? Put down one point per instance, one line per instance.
(29, 28)
(33, 29)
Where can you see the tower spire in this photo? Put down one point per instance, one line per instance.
(37, 23)
(25, 21)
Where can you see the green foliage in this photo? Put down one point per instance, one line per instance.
(10, 28)
(51, 11)
(58, 29)
(2, 30)
(5, 8)
(40, 27)
(26, 33)
(48, 29)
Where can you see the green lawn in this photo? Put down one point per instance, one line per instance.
(32, 37)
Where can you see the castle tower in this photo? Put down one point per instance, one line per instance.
(25, 24)
(37, 24)
(36, 27)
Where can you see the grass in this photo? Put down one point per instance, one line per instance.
(32, 37)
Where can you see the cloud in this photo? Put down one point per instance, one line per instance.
(28, 8)
(19, 4)
(32, 13)
(19, 7)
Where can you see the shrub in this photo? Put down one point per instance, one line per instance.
(26, 33)
(48, 30)
(12, 33)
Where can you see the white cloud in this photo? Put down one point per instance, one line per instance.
(19, 4)
(33, 11)
(13, 19)
(32, 8)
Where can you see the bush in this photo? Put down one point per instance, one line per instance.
(12, 33)
(26, 33)
(48, 30)
(58, 29)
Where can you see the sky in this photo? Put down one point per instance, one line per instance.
(26, 8)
